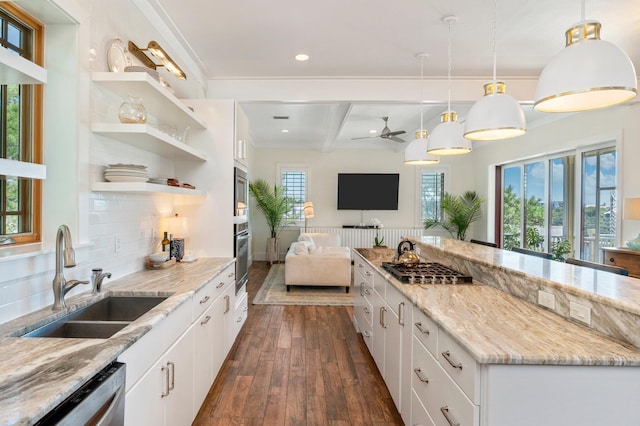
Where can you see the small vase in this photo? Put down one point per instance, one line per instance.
(132, 111)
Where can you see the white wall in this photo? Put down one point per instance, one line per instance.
(323, 178)
(578, 130)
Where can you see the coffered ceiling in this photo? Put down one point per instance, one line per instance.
(255, 41)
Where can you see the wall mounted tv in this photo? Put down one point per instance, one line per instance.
(368, 191)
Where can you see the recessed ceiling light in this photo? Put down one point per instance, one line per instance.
(302, 57)
(285, 131)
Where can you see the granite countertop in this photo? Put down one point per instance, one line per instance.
(39, 373)
(498, 328)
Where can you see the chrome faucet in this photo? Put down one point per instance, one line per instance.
(96, 279)
(64, 259)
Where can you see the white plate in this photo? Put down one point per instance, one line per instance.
(126, 166)
(117, 57)
(125, 179)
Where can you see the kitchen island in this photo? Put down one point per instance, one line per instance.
(39, 373)
(478, 355)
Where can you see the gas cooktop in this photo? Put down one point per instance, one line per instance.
(426, 273)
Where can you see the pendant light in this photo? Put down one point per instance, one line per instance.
(496, 115)
(447, 137)
(416, 152)
(588, 73)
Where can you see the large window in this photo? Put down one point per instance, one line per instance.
(431, 189)
(538, 198)
(294, 180)
(20, 129)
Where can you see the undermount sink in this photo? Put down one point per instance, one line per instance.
(100, 320)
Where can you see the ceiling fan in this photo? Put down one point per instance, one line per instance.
(386, 133)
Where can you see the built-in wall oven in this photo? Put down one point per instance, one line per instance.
(241, 227)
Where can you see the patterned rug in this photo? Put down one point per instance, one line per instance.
(274, 292)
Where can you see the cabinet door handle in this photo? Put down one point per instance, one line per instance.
(361, 288)
(611, 259)
(205, 300)
(422, 378)
(239, 319)
(422, 328)
(366, 310)
(383, 320)
(368, 273)
(165, 391)
(447, 415)
(401, 313)
(205, 320)
(231, 274)
(172, 371)
(367, 291)
(360, 265)
(220, 285)
(365, 333)
(227, 304)
(447, 356)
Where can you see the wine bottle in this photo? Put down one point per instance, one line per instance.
(166, 244)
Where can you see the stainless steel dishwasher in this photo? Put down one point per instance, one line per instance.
(98, 402)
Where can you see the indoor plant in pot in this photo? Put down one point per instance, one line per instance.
(274, 204)
(460, 211)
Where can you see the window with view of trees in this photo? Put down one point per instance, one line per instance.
(538, 204)
(294, 180)
(431, 190)
(20, 129)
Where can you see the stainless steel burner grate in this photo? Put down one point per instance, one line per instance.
(426, 273)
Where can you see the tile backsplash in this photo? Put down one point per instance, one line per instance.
(122, 230)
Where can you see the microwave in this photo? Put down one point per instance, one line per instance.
(241, 195)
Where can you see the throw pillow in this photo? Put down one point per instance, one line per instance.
(300, 249)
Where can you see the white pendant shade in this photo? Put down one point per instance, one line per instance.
(588, 73)
(495, 116)
(447, 138)
(416, 153)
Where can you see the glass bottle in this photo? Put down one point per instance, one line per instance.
(166, 244)
(132, 111)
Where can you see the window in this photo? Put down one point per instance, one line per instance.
(598, 210)
(20, 129)
(431, 190)
(294, 180)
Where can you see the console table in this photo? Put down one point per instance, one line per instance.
(624, 258)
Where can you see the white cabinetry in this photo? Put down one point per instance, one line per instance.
(165, 108)
(172, 367)
(242, 138)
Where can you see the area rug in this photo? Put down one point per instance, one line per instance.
(274, 292)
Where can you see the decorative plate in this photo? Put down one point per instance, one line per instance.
(117, 56)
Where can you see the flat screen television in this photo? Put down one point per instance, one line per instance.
(368, 191)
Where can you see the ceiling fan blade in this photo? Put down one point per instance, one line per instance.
(366, 137)
(396, 133)
(395, 139)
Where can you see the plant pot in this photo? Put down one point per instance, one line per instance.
(272, 250)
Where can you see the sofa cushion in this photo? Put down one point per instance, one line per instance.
(331, 252)
(321, 239)
(300, 248)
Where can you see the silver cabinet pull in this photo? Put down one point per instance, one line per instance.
(422, 378)
(172, 370)
(205, 320)
(165, 391)
(401, 313)
(368, 273)
(422, 328)
(220, 285)
(366, 310)
(365, 333)
(447, 356)
(239, 319)
(367, 291)
(383, 321)
(231, 274)
(205, 300)
(361, 289)
(360, 265)
(450, 419)
(227, 304)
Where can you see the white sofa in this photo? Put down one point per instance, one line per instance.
(317, 259)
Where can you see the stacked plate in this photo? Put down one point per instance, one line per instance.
(126, 173)
(158, 181)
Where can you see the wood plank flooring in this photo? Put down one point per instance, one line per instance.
(297, 365)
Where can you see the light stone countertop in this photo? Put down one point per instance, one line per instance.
(498, 328)
(39, 373)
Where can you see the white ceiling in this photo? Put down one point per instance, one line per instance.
(376, 39)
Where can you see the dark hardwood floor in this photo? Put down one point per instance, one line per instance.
(297, 365)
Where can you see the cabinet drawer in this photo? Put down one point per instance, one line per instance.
(460, 366)
(242, 309)
(394, 298)
(223, 279)
(425, 330)
(364, 271)
(627, 259)
(202, 299)
(419, 415)
(445, 402)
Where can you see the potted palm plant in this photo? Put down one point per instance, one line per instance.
(274, 204)
(460, 211)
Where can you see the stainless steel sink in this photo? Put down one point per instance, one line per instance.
(100, 320)
(79, 329)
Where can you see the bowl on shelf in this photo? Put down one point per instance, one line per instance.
(159, 257)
